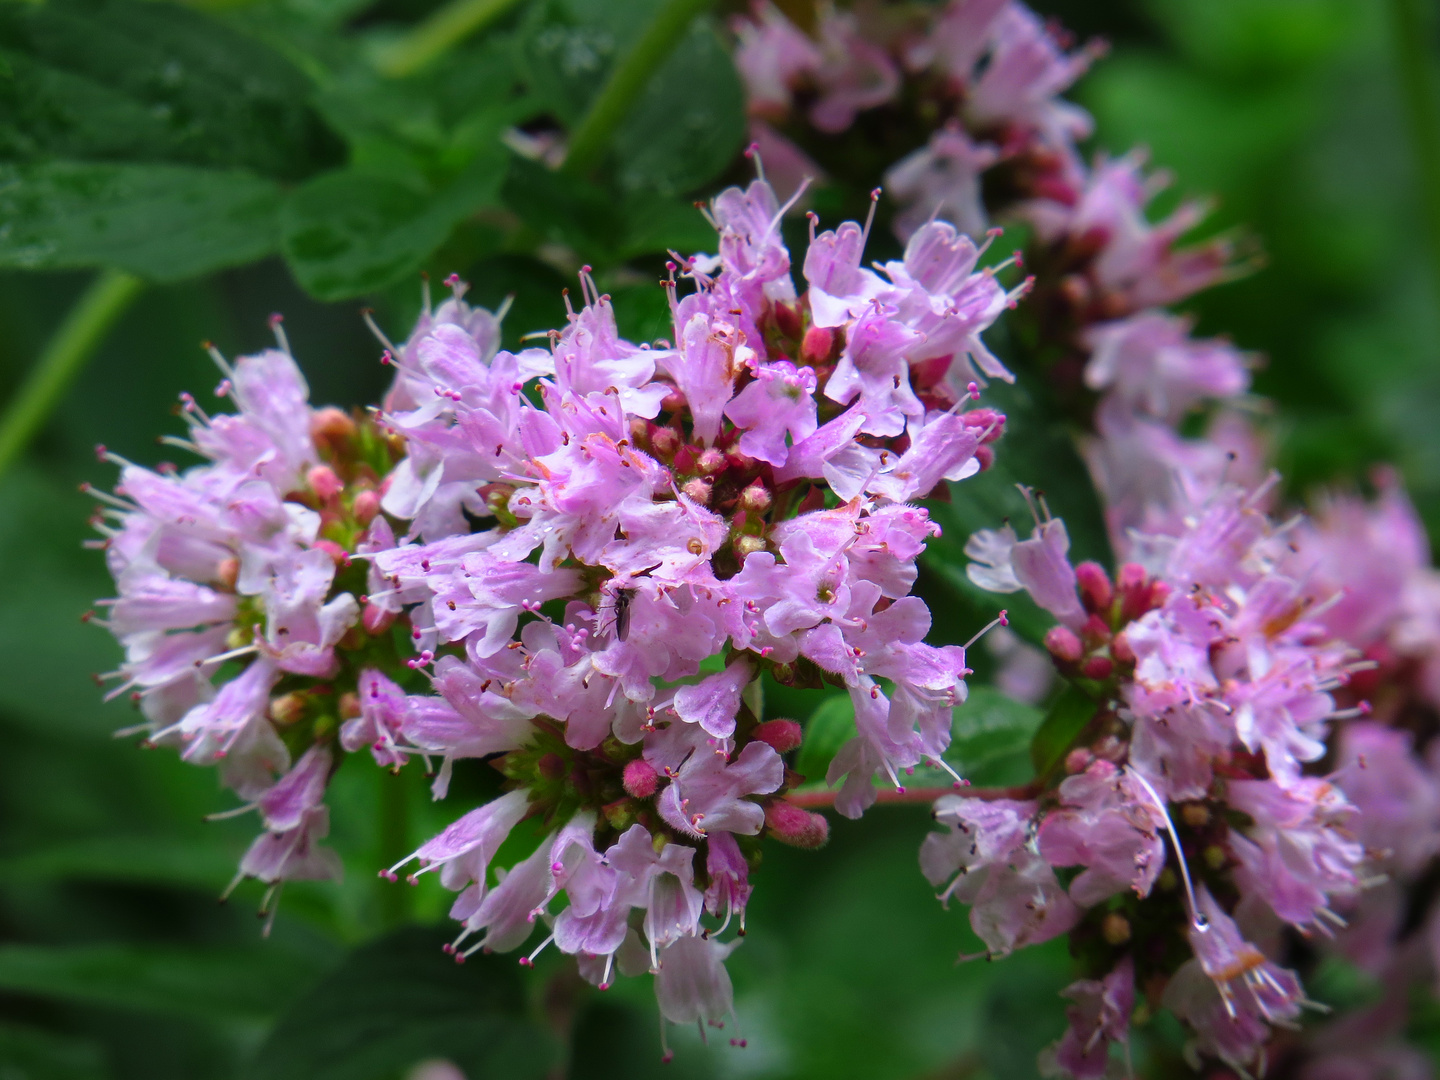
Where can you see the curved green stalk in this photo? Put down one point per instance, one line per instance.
(627, 80)
(66, 354)
(1416, 69)
(436, 35)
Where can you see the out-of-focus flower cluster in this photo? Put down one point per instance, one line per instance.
(577, 562)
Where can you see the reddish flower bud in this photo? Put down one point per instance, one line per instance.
(1095, 631)
(331, 425)
(1078, 760)
(228, 572)
(710, 462)
(1063, 644)
(818, 343)
(664, 442)
(787, 318)
(366, 506)
(673, 402)
(755, 499)
(1095, 590)
(1098, 667)
(797, 827)
(551, 766)
(334, 550)
(782, 735)
(324, 482)
(640, 779)
(376, 620)
(1120, 649)
(985, 456)
(698, 490)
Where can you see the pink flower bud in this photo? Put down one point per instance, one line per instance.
(985, 456)
(711, 462)
(1063, 644)
(367, 505)
(755, 499)
(673, 402)
(1095, 631)
(817, 346)
(1120, 649)
(331, 425)
(664, 442)
(375, 619)
(324, 482)
(1078, 760)
(228, 572)
(640, 779)
(788, 319)
(699, 490)
(795, 826)
(1098, 667)
(1095, 591)
(334, 550)
(783, 735)
(551, 766)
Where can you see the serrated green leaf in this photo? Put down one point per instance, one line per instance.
(224, 984)
(1067, 717)
(689, 122)
(354, 231)
(117, 81)
(399, 1001)
(990, 735)
(830, 726)
(162, 222)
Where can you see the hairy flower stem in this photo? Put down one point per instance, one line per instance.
(1412, 40)
(811, 800)
(626, 81)
(71, 346)
(436, 35)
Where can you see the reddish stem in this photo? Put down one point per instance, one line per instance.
(820, 799)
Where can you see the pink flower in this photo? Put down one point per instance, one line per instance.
(778, 402)
(1108, 825)
(1099, 1017)
(708, 793)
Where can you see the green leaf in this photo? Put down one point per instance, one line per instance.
(990, 735)
(117, 81)
(830, 726)
(354, 231)
(1067, 717)
(162, 222)
(139, 859)
(401, 1000)
(689, 122)
(32, 1054)
(224, 984)
(567, 47)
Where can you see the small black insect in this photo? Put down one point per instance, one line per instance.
(623, 598)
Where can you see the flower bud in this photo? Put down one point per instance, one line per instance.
(1115, 929)
(551, 766)
(1098, 667)
(334, 550)
(985, 457)
(376, 620)
(782, 735)
(711, 462)
(755, 499)
(1120, 649)
(673, 402)
(795, 826)
(640, 779)
(817, 346)
(698, 490)
(787, 318)
(349, 704)
(228, 572)
(367, 505)
(287, 709)
(1063, 644)
(324, 482)
(745, 546)
(664, 442)
(1095, 591)
(1078, 760)
(331, 425)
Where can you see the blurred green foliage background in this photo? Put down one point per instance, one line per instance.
(115, 960)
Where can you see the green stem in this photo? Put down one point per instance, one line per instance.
(437, 34)
(67, 352)
(1417, 84)
(627, 80)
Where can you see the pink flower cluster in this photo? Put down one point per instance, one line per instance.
(594, 551)
(1213, 680)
